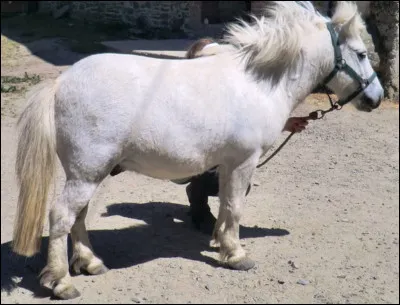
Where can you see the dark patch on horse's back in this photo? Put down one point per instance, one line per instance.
(197, 46)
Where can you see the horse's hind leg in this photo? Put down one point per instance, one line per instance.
(233, 186)
(83, 256)
(63, 214)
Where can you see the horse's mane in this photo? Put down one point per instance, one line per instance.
(273, 42)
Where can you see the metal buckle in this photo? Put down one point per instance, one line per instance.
(336, 106)
(340, 65)
(319, 114)
(365, 83)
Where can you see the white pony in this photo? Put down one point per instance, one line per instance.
(152, 116)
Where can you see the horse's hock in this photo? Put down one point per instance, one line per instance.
(382, 18)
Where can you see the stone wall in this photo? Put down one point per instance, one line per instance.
(145, 15)
(383, 22)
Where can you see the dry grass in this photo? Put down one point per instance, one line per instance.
(11, 84)
(9, 49)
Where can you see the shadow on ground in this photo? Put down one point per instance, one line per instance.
(62, 42)
(160, 237)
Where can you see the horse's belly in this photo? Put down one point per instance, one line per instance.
(166, 167)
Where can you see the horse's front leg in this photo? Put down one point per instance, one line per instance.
(234, 182)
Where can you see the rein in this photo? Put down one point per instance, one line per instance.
(314, 115)
(340, 65)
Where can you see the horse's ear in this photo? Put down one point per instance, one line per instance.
(348, 29)
(347, 20)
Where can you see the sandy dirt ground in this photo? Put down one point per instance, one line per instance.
(322, 221)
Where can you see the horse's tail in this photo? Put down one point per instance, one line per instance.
(35, 167)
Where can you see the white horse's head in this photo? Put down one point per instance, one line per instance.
(274, 44)
(348, 24)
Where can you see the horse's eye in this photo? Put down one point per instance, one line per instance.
(362, 55)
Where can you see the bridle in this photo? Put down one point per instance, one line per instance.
(340, 65)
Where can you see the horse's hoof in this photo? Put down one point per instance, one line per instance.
(66, 292)
(244, 264)
(97, 269)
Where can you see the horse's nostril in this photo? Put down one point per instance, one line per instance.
(371, 103)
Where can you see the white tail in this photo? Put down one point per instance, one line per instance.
(35, 167)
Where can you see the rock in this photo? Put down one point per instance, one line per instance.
(293, 265)
(303, 282)
(136, 300)
(281, 282)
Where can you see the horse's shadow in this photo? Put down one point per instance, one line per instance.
(167, 233)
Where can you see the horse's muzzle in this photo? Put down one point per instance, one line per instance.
(368, 104)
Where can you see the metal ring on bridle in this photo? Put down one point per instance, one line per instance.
(341, 64)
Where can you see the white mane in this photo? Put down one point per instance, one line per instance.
(274, 41)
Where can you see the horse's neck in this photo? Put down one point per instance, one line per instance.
(315, 64)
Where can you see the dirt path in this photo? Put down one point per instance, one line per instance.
(325, 214)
